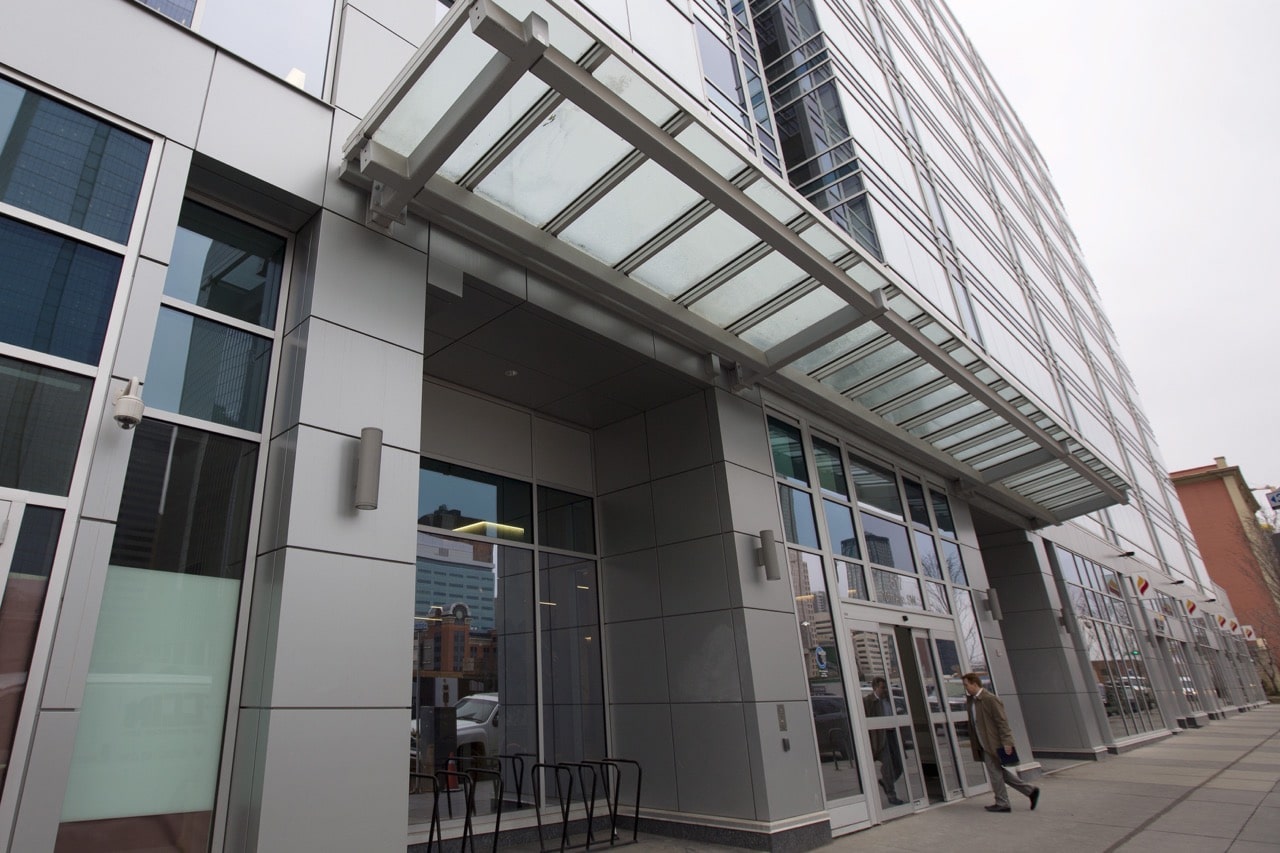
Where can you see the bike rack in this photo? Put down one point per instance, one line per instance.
(563, 793)
(616, 763)
(434, 832)
(469, 798)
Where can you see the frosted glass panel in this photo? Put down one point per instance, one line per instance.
(494, 125)
(744, 293)
(794, 318)
(150, 733)
(701, 251)
(638, 208)
(436, 90)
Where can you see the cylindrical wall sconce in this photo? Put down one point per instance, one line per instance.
(767, 556)
(368, 468)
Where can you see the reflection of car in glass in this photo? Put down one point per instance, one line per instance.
(1189, 689)
(831, 721)
(478, 731)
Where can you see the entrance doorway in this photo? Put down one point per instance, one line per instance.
(916, 720)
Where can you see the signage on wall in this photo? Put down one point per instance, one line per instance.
(1248, 631)
(1142, 584)
(1273, 498)
(1191, 607)
(1222, 621)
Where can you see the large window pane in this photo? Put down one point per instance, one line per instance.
(823, 671)
(468, 501)
(852, 581)
(149, 740)
(56, 293)
(225, 265)
(24, 594)
(69, 166)
(887, 543)
(572, 679)
(928, 549)
(915, 502)
(565, 520)
(955, 563)
(208, 370)
(830, 469)
(42, 413)
(942, 512)
(895, 589)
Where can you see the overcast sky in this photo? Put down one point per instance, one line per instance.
(1160, 123)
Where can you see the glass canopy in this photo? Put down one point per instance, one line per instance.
(516, 121)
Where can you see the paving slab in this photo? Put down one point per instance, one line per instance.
(1227, 795)
(1215, 820)
(1263, 825)
(1153, 841)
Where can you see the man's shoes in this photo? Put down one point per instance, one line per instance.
(1035, 798)
(894, 801)
(994, 808)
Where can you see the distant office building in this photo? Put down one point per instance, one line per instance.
(586, 300)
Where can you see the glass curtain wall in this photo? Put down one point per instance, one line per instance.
(1120, 674)
(70, 184)
(506, 640)
(148, 748)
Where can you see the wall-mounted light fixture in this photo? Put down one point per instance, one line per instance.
(767, 556)
(1178, 581)
(1126, 554)
(992, 605)
(368, 468)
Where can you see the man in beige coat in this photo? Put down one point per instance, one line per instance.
(989, 735)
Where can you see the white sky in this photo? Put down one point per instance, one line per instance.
(1160, 123)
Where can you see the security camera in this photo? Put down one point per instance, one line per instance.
(128, 406)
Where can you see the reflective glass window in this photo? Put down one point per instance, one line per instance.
(58, 162)
(898, 590)
(565, 520)
(928, 550)
(830, 469)
(788, 452)
(149, 740)
(207, 370)
(24, 594)
(57, 293)
(971, 634)
(844, 539)
(461, 499)
(887, 543)
(955, 564)
(720, 69)
(935, 598)
(226, 265)
(852, 580)
(942, 512)
(797, 517)
(181, 11)
(875, 486)
(915, 502)
(823, 671)
(572, 681)
(42, 413)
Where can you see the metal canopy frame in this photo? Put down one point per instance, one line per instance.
(817, 329)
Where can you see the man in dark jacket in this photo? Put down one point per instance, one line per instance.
(990, 736)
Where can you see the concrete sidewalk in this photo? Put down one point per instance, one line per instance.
(1208, 790)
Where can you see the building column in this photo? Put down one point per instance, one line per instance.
(322, 739)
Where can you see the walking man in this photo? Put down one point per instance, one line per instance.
(992, 739)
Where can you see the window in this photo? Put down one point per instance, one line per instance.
(57, 293)
(149, 740)
(565, 520)
(42, 414)
(468, 501)
(66, 165)
(213, 362)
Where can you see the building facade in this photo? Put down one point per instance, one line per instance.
(1239, 555)
(683, 373)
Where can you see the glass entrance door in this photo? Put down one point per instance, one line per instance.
(950, 771)
(892, 739)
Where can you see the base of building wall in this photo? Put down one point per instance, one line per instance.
(1136, 741)
(1194, 721)
(1069, 754)
(787, 838)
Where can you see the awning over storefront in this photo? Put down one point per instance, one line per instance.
(540, 138)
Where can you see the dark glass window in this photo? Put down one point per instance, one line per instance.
(464, 500)
(185, 506)
(830, 469)
(181, 11)
(225, 265)
(42, 413)
(24, 594)
(724, 84)
(572, 679)
(565, 520)
(69, 166)
(788, 452)
(875, 486)
(929, 563)
(955, 565)
(852, 581)
(207, 370)
(56, 293)
(915, 502)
